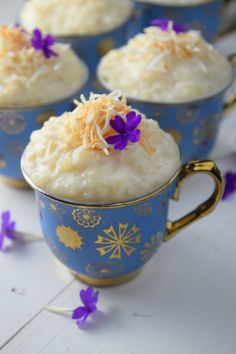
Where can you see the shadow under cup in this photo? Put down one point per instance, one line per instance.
(108, 244)
(204, 16)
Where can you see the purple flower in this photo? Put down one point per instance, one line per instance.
(43, 43)
(127, 131)
(7, 228)
(230, 184)
(164, 25)
(89, 298)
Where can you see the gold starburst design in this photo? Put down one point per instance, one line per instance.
(86, 218)
(117, 243)
(69, 237)
(151, 247)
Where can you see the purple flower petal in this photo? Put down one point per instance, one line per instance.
(133, 121)
(89, 298)
(7, 228)
(121, 145)
(127, 131)
(1, 240)
(163, 24)
(230, 184)
(134, 136)
(43, 43)
(79, 312)
(49, 40)
(114, 139)
(118, 125)
(86, 296)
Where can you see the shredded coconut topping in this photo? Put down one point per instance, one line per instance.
(154, 65)
(88, 126)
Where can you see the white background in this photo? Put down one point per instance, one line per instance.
(184, 301)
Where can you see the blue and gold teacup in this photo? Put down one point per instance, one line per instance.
(91, 48)
(195, 124)
(204, 16)
(16, 126)
(108, 244)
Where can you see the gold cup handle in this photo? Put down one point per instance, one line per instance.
(206, 167)
(230, 99)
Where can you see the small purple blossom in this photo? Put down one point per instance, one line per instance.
(7, 228)
(39, 42)
(165, 24)
(230, 184)
(89, 298)
(126, 131)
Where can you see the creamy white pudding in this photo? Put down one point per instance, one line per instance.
(28, 78)
(165, 66)
(75, 17)
(71, 158)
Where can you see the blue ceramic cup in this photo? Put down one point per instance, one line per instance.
(195, 124)
(92, 48)
(204, 16)
(16, 126)
(109, 244)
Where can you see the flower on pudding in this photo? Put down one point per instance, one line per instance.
(127, 131)
(166, 25)
(43, 43)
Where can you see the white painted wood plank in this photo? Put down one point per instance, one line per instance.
(29, 276)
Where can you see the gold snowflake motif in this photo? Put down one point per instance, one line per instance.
(144, 209)
(56, 210)
(207, 131)
(104, 269)
(151, 247)
(12, 123)
(69, 237)
(2, 161)
(86, 218)
(118, 243)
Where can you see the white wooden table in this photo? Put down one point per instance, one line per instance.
(184, 302)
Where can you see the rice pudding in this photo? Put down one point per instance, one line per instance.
(75, 17)
(29, 78)
(164, 66)
(73, 157)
